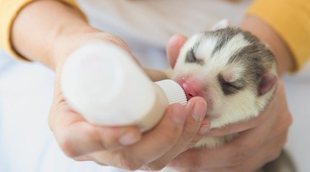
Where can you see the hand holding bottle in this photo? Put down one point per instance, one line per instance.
(125, 147)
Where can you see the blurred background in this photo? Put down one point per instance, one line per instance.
(26, 90)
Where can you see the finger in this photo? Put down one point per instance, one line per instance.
(77, 137)
(248, 143)
(173, 47)
(153, 144)
(82, 138)
(240, 148)
(155, 75)
(230, 154)
(198, 107)
(266, 154)
(117, 137)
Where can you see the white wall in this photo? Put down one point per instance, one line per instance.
(298, 95)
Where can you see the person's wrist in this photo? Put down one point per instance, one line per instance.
(65, 43)
(275, 43)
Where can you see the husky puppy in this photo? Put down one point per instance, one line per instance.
(236, 74)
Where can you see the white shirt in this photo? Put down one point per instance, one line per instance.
(148, 24)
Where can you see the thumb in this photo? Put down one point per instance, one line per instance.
(174, 45)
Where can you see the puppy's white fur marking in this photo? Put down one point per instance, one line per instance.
(206, 48)
(236, 43)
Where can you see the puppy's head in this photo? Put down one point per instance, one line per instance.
(230, 68)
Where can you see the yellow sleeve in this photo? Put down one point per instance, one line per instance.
(9, 9)
(291, 19)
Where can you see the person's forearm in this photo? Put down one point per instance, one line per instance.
(37, 30)
(266, 34)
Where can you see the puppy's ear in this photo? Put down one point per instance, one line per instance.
(222, 24)
(267, 82)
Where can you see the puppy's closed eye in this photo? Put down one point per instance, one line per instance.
(230, 88)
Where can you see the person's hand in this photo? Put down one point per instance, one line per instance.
(123, 147)
(260, 140)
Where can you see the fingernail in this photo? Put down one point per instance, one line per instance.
(129, 138)
(199, 111)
